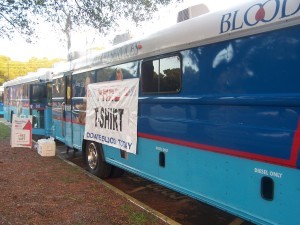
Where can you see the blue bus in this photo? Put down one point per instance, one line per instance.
(31, 95)
(218, 109)
(1, 101)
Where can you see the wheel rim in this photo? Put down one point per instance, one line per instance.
(92, 156)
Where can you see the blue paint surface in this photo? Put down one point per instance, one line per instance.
(241, 95)
(236, 115)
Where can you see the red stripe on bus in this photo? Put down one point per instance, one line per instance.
(238, 153)
(296, 145)
(292, 162)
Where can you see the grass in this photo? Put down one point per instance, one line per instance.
(4, 131)
(137, 218)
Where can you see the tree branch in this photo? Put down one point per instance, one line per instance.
(11, 23)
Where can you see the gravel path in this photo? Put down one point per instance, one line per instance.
(46, 190)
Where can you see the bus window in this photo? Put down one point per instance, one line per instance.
(58, 88)
(125, 71)
(38, 93)
(78, 85)
(161, 75)
(128, 70)
(68, 90)
(104, 74)
(25, 91)
(37, 97)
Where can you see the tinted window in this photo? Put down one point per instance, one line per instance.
(38, 93)
(25, 91)
(119, 72)
(161, 75)
(80, 83)
(58, 88)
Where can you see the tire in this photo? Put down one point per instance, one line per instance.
(95, 160)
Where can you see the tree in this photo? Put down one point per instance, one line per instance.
(10, 69)
(16, 16)
(3, 68)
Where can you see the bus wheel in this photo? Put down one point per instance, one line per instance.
(95, 160)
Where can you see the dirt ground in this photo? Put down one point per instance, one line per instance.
(46, 190)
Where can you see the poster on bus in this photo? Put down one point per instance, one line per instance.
(21, 132)
(111, 113)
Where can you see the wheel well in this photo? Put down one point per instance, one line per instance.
(115, 171)
(95, 159)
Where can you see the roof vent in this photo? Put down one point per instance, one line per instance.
(121, 38)
(192, 12)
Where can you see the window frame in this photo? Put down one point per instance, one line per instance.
(159, 58)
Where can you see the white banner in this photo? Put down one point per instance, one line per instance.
(21, 132)
(111, 113)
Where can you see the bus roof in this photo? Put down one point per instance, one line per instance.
(41, 74)
(242, 20)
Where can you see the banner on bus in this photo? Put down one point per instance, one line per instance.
(21, 132)
(111, 113)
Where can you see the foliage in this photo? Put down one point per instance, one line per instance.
(10, 69)
(102, 15)
(15, 17)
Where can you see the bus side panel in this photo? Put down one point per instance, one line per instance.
(68, 127)
(256, 132)
(57, 119)
(78, 121)
(6, 106)
(1, 109)
(230, 183)
(48, 121)
(6, 109)
(78, 133)
(231, 136)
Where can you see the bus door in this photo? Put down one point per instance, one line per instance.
(38, 99)
(67, 112)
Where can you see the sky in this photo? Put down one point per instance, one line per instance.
(50, 47)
